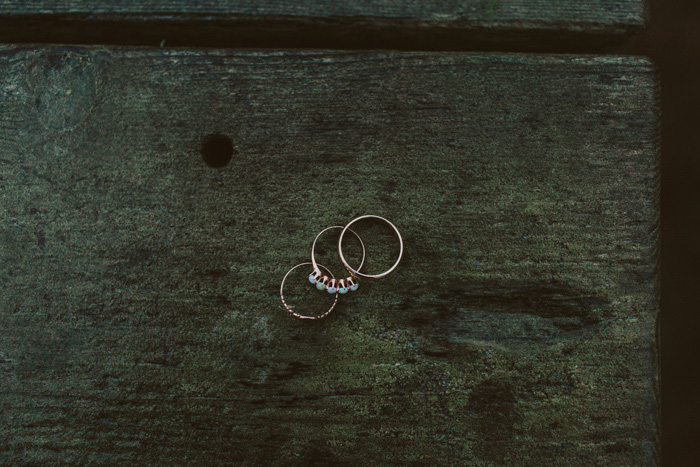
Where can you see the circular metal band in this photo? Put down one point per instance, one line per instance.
(313, 249)
(356, 272)
(290, 309)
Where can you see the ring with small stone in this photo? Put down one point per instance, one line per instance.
(330, 284)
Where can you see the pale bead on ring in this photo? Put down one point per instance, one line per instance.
(290, 309)
(332, 285)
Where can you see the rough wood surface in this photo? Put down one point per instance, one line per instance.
(341, 22)
(139, 305)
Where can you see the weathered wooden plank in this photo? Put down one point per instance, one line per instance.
(139, 285)
(413, 23)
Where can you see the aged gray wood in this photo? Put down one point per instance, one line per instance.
(600, 14)
(419, 23)
(139, 303)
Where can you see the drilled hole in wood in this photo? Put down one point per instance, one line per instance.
(217, 150)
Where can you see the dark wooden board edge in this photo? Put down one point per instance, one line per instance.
(657, 345)
(301, 32)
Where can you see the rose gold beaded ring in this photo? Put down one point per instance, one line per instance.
(356, 272)
(331, 285)
(290, 309)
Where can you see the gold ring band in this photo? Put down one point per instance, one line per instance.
(355, 272)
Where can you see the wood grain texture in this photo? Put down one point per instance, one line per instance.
(341, 22)
(525, 13)
(139, 286)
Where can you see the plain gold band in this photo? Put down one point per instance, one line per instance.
(357, 273)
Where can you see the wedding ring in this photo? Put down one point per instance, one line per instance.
(356, 272)
(331, 285)
(290, 309)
